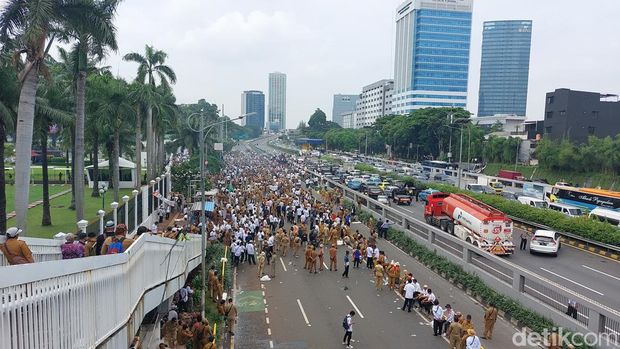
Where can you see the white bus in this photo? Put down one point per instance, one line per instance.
(603, 215)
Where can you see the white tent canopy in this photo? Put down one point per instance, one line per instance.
(122, 163)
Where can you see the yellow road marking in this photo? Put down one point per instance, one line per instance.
(613, 259)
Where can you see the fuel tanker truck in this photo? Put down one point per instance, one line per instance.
(470, 220)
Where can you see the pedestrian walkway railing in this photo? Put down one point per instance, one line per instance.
(43, 250)
(91, 302)
(533, 291)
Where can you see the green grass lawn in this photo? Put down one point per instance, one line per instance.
(63, 219)
(37, 175)
(604, 180)
(36, 193)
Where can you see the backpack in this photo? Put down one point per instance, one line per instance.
(116, 246)
(345, 322)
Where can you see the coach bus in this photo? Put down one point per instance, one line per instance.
(587, 198)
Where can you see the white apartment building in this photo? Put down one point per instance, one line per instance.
(374, 102)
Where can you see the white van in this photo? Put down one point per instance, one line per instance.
(526, 200)
(571, 211)
(604, 215)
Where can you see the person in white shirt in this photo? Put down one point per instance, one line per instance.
(472, 341)
(348, 329)
(437, 311)
(448, 317)
(250, 250)
(409, 290)
(369, 252)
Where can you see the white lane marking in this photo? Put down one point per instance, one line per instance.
(268, 331)
(355, 307)
(325, 265)
(301, 307)
(600, 272)
(267, 320)
(263, 293)
(569, 280)
(270, 344)
(266, 311)
(283, 266)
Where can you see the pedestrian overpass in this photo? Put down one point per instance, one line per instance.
(91, 302)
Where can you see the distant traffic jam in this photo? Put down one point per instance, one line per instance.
(461, 215)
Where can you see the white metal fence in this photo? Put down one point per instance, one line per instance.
(94, 301)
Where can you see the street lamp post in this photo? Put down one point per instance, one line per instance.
(203, 132)
(102, 191)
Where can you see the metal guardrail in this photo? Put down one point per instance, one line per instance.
(518, 184)
(530, 289)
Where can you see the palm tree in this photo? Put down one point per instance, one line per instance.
(115, 109)
(151, 66)
(9, 94)
(93, 33)
(33, 25)
(141, 95)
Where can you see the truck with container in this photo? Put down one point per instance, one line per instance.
(470, 220)
(508, 174)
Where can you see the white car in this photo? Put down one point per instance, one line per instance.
(545, 241)
(383, 199)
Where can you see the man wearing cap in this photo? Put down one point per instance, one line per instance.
(16, 251)
(108, 231)
(70, 249)
(454, 333)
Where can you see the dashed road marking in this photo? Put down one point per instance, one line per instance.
(355, 307)
(283, 266)
(303, 312)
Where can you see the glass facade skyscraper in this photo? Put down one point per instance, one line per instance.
(253, 102)
(505, 67)
(431, 54)
(277, 101)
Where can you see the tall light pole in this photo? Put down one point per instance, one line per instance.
(460, 170)
(202, 135)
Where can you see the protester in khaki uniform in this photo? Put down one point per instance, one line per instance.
(307, 256)
(333, 258)
(554, 341)
(297, 242)
(321, 257)
(184, 335)
(467, 325)
(210, 344)
(490, 316)
(314, 257)
(285, 244)
(230, 311)
(261, 264)
(16, 251)
(89, 247)
(170, 332)
(379, 276)
(454, 333)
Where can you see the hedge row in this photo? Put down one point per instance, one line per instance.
(468, 282)
(581, 226)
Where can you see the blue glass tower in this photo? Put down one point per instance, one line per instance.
(253, 102)
(505, 67)
(431, 54)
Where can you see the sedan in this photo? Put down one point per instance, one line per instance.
(545, 241)
(426, 192)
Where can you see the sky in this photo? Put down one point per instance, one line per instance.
(219, 48)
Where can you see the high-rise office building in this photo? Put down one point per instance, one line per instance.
(505, 67)
(431, 58)
(253, 102)
(277, 101)
(374, 102)
(343, 104)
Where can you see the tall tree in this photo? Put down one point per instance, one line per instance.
(93, 32)
(9, 94)
(33, 25)
(150, 68)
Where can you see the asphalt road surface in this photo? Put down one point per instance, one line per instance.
(306, 310)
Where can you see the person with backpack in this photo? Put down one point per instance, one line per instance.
(108, 231)
(347, 324)
(117, 243)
